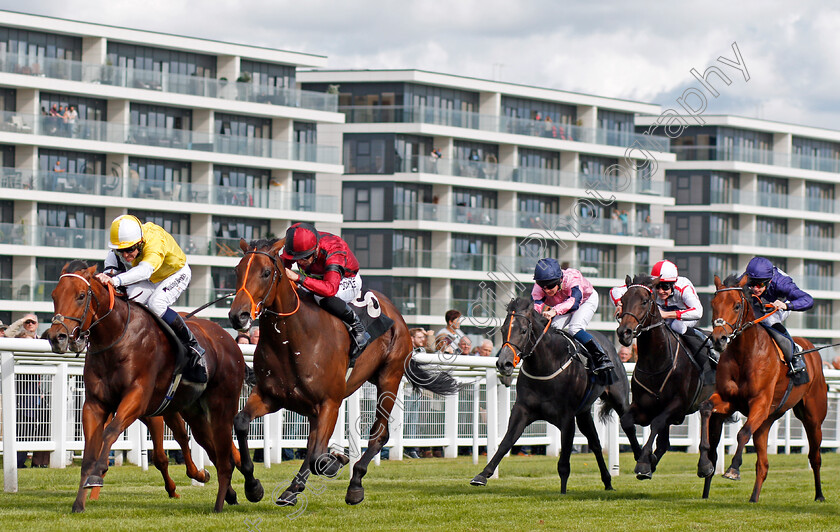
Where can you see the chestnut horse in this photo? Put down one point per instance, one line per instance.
(301, 364)
(752, 379)
(128, 369)
(667, 383)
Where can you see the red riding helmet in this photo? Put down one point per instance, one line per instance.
(666, 271)
(301, 241)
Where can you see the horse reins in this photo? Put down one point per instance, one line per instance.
(258, 308)
(513, 347)
(638, 329)
(739, 328)
(77, 333)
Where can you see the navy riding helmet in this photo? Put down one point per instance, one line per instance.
(548, 273)
(760, 269)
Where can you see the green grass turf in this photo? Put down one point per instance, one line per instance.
(434, 494)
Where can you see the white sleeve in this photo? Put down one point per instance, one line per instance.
(693, 307)
(616, 293)
(111, 262)
(141, 272)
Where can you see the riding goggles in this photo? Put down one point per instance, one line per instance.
(758, 283)
(665, 287)
(548, 285)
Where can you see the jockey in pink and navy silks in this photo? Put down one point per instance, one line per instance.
(770, 285)
(567, 299)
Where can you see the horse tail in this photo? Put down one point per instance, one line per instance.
(608, 404)
(440, 382)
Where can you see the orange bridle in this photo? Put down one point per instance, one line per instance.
(257, 308)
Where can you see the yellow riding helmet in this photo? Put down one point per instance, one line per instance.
(126, 230)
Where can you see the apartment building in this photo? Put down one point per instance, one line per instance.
(211, 140)
(746, 187)
(454, 187)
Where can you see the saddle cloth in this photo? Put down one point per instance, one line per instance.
(368, 309)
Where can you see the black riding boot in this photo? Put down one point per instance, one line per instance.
(360, 336)
(196, 368)
(794, 360)
(602, 366)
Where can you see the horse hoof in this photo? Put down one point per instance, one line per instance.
(644, 476)
(230, 498)
(643, 471)
(732, 474)
(286, 499)
(819, 499)
(174, 495)
(93, 481)
(354, 496)
(254, 491)
(479, 480)
(705, 470)
(78, 508)
(206, 477)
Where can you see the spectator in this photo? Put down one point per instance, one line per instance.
(254, 334)
(434, 157)
(70, 116)
(485, 349)
(243, 338)
(33, 402)
(624, 216)
(420, 339)
(450, 334)
(836, 362)
(625, 354)
(3, 328)
(464, 346)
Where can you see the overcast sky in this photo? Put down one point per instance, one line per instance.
(635, 50)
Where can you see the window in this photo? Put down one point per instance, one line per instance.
(596, 260)
(156, 178)
(771, 232)
(367, 202)
(819, 196)
(242, 126)
(409, 295)
(71, 226)
(538, 212)
(473, 299)
(154, 116)
(819, 317)
(175, 223)
(8, 100)
(269, 75)
(303, 188)
(688, 229)
(87, 108)
(722, 227)
(36, 44)
(819, 275)
(773, 192)
(224, 282)
(529, 109)
(411, 153)
(642, 260)
(473, 252)
(530, 250)
(368, 154)
(745, 145)
(371, 248)
(596, 176)
(133, 56)
(475, 206)
(814, 154)
(228, 231)
(442, 105)
(246, 187)
(819, 236)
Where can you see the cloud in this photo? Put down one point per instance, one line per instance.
(642, 50)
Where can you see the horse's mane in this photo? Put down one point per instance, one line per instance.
(519, 304)
(643, 279)
(76, 265)
(263, 243)
(732, 281)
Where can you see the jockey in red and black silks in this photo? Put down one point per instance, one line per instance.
(331, 273)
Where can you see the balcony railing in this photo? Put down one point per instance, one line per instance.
(754, 155)
(101, 185)
(819, 282)
(165, 82)
(779, 201)
(774, 240)
(527, 220)
(167, 138)
(538, 176)
(500, 124)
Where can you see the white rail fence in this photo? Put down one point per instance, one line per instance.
(43, 393)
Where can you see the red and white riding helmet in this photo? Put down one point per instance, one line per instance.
(666, 271)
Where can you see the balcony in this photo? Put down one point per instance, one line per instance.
(819, 282)
(537, 176)
(165, 82)
(776, 201)
(773, 240)
(500, 124)
(753, 155)
(167, 138)
(526, 220)
(591, 269)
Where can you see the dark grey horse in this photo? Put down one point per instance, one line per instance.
(555, 386)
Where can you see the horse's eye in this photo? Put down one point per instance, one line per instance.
(266, 273)
(738, 306)
(80, 297)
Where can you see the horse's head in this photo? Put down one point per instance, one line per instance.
(518, 334)
(75, 305)
(638, 308)
(257, 274)
(731, 310)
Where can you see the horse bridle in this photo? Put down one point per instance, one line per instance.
(518, 352)
(257, 309)
(649, 313)
(738, 327)
(78, 334)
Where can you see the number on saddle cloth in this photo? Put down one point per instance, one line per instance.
(369, 310)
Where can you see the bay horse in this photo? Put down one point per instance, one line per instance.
(301, 365)
(128, 369)
(667, 383)
(554, 385)
(752, 379)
